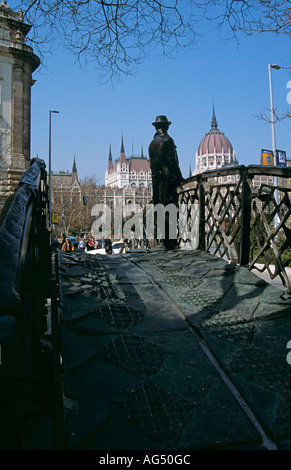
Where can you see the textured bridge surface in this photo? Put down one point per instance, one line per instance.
(172, 350)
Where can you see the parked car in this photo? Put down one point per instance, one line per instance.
(74, 241)
(101, 251)
(116, 247)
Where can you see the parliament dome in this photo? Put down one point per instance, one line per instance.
(215, 141)
(215, 150)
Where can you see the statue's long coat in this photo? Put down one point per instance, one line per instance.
(166, 173)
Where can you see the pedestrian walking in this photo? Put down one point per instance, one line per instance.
(124, 246)
(82, 245)
(108, 247)
(67, 246)
(91, 244)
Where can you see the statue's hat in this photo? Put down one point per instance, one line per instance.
(161, 120)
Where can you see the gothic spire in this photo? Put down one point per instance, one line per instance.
(74, 169)
(214, 124)
(122, 152)
(110, 162)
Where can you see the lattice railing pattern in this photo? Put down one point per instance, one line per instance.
(271, 231)
(241, 218)
(223, 219)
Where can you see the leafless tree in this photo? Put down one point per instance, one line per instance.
(88, 190)
(67, 203)
(117, 35)
(265, 116)
(250, 16)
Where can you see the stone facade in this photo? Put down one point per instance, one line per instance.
(133, 172)
(17, 63)
(65, 187)
(122, 197)
(65, 179)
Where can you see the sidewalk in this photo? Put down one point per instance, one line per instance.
(173, 350)
(276, 282)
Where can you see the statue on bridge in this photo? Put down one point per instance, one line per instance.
(166, 173)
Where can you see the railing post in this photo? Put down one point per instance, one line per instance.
(245, 219)
(201, 193)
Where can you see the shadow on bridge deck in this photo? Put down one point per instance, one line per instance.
(172, 350)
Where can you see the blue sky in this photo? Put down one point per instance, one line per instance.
(93, 116)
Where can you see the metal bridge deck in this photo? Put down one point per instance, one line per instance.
(172, 350)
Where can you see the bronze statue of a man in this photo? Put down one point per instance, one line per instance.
(166, 173)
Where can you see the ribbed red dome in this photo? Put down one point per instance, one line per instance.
(215, 141)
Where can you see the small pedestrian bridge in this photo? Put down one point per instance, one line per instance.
(156, 349)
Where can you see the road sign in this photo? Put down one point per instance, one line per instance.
(267, 157)
(55, 218)
(281, 158)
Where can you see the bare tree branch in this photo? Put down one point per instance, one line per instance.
(118, 35)
(265, 117)
(251, 16)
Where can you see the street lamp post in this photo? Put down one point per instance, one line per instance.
(276, 67)
(50, 165)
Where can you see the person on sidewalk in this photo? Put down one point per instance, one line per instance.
(108, 247)
(82, 245)
(67, 245)
(91, 244)
(124, 246)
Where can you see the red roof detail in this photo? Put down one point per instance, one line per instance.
(214, 142)
(135, 164)
(139, 164)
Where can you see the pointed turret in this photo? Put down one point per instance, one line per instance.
(214, 124)
(110, 162)
(74, 171)
(122, 152)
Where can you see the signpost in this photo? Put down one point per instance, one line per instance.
(267, 157)
(281, 158)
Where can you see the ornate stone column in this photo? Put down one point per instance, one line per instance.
(17, 63)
